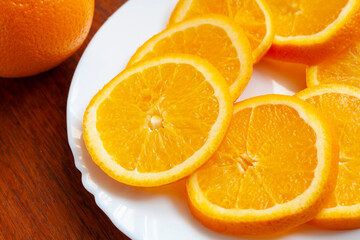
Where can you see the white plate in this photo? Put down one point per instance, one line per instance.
(158, 213)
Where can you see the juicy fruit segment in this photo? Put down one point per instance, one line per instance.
(347, 192)
(213, 38)
(309, 32)
(293, 16)
(162, 125)
(252, 162)
(265, 170)
(253, 16)
(158, 121)
(342, 68)
(341, 105)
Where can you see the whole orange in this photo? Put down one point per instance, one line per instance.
(36, 36)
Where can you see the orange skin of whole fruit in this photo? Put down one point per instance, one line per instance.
(36, 36)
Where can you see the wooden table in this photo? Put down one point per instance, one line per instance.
(41, 192)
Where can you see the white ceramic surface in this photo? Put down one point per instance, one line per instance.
(158, 213)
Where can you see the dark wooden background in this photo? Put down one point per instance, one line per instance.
(41, 192)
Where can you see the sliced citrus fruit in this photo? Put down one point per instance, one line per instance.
(273, 171)
(310, 31)
(253, 16)
(342, 68)
(340, 103)
(214, 38)
(158, 121)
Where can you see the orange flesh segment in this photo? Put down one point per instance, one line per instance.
(219, 50)
(245, 173)
(347, 190)
(304, 17)
(343, 111)
(246, 14)
(343, 68)
(153, 128)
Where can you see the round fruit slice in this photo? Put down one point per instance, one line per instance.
(342, 68)
(158, 121)
(310, 31)
(341, 105)
(214, 38)
(253, 16)
(273, 171)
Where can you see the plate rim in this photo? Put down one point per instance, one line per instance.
(69, 115)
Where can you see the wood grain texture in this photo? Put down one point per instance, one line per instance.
(41, 192)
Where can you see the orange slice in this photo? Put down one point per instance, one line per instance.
(214, 38)
(342, 68)
(310, 31)
(253, 16)
(341, 105)
(158, 121)
(273, 171)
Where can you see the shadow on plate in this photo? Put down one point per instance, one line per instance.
(271, 76)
